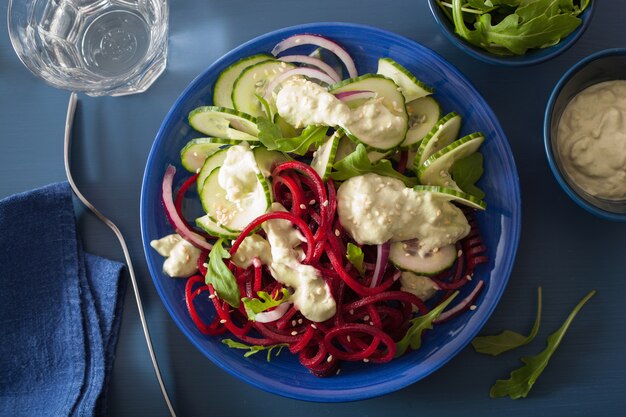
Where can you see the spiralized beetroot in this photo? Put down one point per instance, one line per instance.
(369, 320)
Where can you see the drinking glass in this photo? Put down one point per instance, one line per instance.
(99, 47)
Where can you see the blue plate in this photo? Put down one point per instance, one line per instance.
(500, 224)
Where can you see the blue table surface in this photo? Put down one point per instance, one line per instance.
(563, 248)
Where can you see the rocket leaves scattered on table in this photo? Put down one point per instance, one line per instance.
(512, 27)
(252, 349)
(522, 379)
(358, 163)
(220, 276)
(507, 340)
(265, 301)
(413, 336)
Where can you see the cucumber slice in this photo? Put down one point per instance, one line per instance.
(324, 157)
(213, 161)
(223, 88)
(209, 226)
(196, 151)
(436, 169)
(252, 82)
(231, 216)
(222, 122)
(393, 100)
(451, 194)
(266, 160)
(441, 135)
(411, 87)
(405, 256)
(423, 116)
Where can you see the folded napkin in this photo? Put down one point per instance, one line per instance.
(59, 310)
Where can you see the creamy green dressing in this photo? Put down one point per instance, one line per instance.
(375, 209)
(591, 140)
(303, 103)
(238, 174)
(181, 256)
(423, 287)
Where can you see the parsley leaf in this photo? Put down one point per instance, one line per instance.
(220, 277)
(522, 379)
(355, 256)
(413, 336)
(254, 306)
(465, 172)
(252, 349)
(271, 136)
(358, 163)
(507, 340)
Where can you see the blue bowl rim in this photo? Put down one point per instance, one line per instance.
(547, 141)
(531, 58)
(373, 390)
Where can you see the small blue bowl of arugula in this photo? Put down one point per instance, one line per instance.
(512, 32)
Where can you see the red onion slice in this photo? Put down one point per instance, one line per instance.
(462, 305)
(298, 40)
(382, 257)
(273, 315)
(315, 62)
(307, 72)
(172, 215)
(347, 96)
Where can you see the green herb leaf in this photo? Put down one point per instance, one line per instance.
(271, 136)
(413, 336)
(255, 306)
(220, 277)
(252, 349)
(507, 340)
(522, 379)
(358, 163)
(355, 256)
(466, 172)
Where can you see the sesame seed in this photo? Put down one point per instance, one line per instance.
(371, 323)
(330, 358)
(325, 203)
(293, 323)
(312, 202)
(222, 321)
(206, 265)
(303, 206)
(468, 277)
(338, 370)
(366, 360)
(472, 307)
(314, 326)
(299, 321)
(366, 318)
(348, 338)
(459, 253)
(351, 311)
(294, 333)
(212, 296)
(337, 232)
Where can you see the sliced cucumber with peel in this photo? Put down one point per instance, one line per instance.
(252, 82)
(213, 161)
(404, 255)
(411, 87)
(424, 113)
(223, 122)
(209, 226)
(223, 88)
(266, 160)
(436, 169)
(393, 100)
(196, 151)
(324, 156)
(441, 135)
(229, 215)
(451, 194)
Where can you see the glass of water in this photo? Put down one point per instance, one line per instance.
(99, 47)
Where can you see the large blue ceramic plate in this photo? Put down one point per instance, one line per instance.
(500, 224)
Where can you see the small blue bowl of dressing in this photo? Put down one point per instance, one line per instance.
(532, 57)
(583, 135)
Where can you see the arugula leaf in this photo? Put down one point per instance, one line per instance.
(507, 340)
(522, 379)
(512, 27)
(252, 349)
(271, 136)
(254, 306)
(465, 172)
(220, 277)
(355, 256)
(413, 336)
(358, 163)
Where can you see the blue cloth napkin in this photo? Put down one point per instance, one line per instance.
(60, 310)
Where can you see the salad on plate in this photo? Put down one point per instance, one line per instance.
(338, 209)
